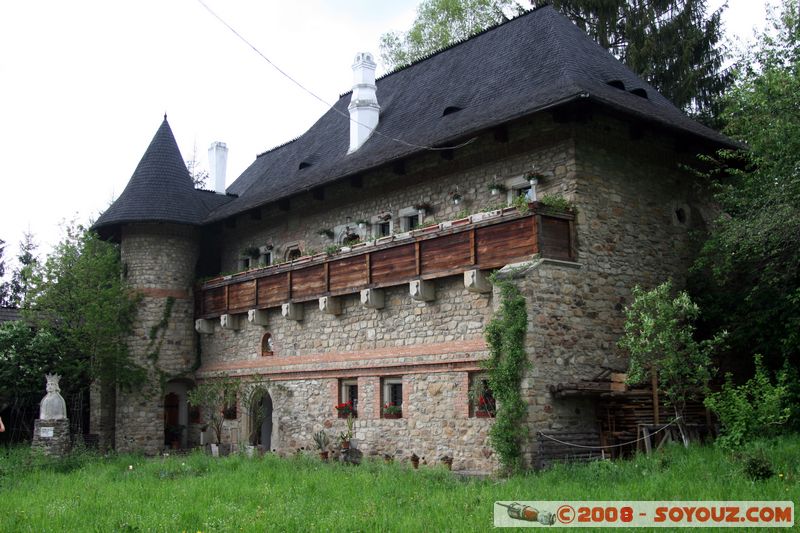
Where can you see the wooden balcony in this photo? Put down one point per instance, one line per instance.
(483, 241)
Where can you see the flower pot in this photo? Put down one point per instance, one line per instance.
(448, 463)
(345, 414)
(393, 415)
(323, 455)
(415, 463)
(345, 444)
(483, 414)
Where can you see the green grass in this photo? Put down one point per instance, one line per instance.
(198, 493)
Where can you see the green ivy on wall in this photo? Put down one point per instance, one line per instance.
(505, 336)
(156, 340)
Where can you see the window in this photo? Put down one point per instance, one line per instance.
(518, 186)
(265, 259)
(392, 398)
(293, 253)
(409, 218)
(348, 393)
(245, 263)
(381, 225)
(482, 402)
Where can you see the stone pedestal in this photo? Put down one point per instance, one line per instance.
(51, 437)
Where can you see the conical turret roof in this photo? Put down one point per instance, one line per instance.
(161, 189)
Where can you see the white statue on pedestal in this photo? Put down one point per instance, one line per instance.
(53, 406)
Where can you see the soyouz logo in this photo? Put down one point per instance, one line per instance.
(644, 514)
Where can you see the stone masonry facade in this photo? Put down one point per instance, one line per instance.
(635, 210)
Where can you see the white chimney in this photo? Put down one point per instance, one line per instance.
(217, 162)
(364, 108)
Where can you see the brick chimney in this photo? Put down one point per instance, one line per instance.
(217, 162)
(364, 108)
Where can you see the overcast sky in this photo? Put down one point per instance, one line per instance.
(84, 86)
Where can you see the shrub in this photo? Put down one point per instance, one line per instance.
(755, 464)
(758, 408)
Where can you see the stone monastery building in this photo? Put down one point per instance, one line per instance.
(351, 263)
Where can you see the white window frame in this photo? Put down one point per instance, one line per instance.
(405, 215)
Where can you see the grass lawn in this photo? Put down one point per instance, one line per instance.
(198, 493)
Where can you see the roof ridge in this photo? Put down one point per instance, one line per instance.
(459, 42)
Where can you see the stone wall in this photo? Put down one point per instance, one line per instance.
(158, 262)
(428, 178)
(628, 233)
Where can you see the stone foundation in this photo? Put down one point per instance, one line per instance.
(51, 437)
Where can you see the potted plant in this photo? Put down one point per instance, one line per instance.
(447, 461)
(415, 460)
(496, 188)
(326, 232)
(322, 441)
(362, 223)
(390, 410)
(456, 197)
(345, 409)
(346, 436)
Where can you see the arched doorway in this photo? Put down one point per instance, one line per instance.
(176, 413)
(261, 421)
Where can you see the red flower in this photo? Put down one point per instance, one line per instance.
(481, 401)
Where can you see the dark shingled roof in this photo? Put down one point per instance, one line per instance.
(533, 62)
(8, 314)
(161, 189)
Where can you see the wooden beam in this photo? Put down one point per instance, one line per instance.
(368, 256)
(473, 252)
(327, 267)
(654, 385)
(417, 258)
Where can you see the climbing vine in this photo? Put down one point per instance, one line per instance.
(156, 340)
(505, 336)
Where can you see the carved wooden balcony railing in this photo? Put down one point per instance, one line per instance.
(483, 241)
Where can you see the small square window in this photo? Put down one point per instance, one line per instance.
(265, 259)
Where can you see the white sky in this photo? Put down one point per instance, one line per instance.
(84, 85)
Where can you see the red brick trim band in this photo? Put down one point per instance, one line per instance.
(265, 363)
(432, 367)
(178, 294)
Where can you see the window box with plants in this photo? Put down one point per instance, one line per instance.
(346, 410)
(391, 410)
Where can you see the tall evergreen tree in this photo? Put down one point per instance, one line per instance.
(672, 44)
(21, 278)
(4, 287)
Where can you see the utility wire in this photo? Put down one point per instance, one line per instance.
(610, 445)
(345, 115)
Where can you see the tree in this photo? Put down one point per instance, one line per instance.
(4, 287)
(78, 295)
(198, 174)
(748, 275)
(440, 23)
(216, 396)
(659, 336)
(21, 278)
(669, 43)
